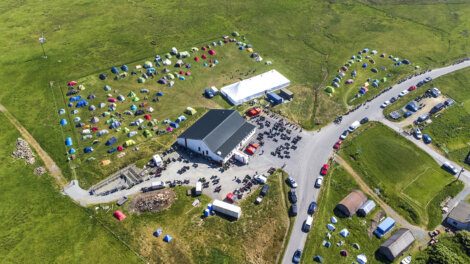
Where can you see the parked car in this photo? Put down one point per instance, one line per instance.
(344, 135)
(393, 100)
(312, 208)
(293, 210)
(354, 126)
(418, 134)
(324, 169)
(291, 182)
(427, 79)
(292, 196)
(338, 144)
(297, 256)
(412, 88)
(364, 120)
(450, 168)
(427, 139)
(318, 182)
(385, 104)
(420, 83)
(403, 93)
(307, 224)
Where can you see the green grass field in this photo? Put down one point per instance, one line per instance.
(338, 184)
(454, 143)
(213, 240)
(408, 179)
(40, 225)
(317, 37)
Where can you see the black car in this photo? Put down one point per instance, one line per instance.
(312, 208)
(292, 196)
(264, 190)
(297, 256)
(293, 210)
(393, 100)
(364, 120)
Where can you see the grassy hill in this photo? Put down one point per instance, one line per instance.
(304, 40)
(408, 179)
(40, 225)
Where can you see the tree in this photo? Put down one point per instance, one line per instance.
(440, 254)
(463, 237)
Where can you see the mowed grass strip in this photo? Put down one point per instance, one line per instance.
(40, 225)
(256, 237)
(396, 167)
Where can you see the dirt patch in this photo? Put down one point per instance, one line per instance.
(375, 222)
(155, 201)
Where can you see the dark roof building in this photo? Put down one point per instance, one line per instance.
(397, 244)
(217, 134)
(351, 203)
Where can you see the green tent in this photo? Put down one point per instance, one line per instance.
(168, 56)
(329, 89)
(135, 99)
(131, 94)
(147, 133)
(235, 34)
(140, 80)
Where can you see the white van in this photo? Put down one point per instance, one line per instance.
(308, 223)
(354, 126)
(261, 179)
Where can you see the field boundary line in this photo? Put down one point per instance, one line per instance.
(49, 163)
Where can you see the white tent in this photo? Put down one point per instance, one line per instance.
(246, 90)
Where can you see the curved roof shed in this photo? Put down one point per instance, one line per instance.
(351, 203)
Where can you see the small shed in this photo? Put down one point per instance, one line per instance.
(397, 244)
(384, 227)
(366, 208)
(286, 94)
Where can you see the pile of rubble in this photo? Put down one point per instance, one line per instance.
(23, 151)
(153, 201)
(39, 171)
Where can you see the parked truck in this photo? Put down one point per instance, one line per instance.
(198, 189)
(157, 185)
(227, 209)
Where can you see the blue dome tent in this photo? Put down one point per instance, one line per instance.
(63, 122)
(114, 70)
(68, 141)
(88, 150)
(160, 94)
(167, 238)
(124, 68)
(103, 76)
(72, 151)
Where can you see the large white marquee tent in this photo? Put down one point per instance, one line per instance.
(256, 86)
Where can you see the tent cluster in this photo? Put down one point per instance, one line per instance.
(159, 232)
(343, 234)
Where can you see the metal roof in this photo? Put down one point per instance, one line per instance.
(461, 213)
(397, 243)
(221, 130)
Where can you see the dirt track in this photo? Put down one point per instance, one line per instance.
(49, 163)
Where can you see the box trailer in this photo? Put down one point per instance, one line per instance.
(198, 189)
(241, 157)
(157, 160)
(227, 209)
(154, 186)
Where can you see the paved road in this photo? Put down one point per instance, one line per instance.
(320, 148)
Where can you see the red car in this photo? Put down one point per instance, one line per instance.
(338, 144)
(412, 88)
(324, 169)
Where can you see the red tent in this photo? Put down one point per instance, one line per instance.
(203, 48)
(72, 83)
(212, 52)
(204, 56)
(250, 150)
(181, 72)
(196, 59)
(94, 129)
(229, 197)
(120, 148)
(112, 100)
(119, 215)
(147, 117)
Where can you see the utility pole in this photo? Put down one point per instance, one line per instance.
(42, 40)
(460, 173)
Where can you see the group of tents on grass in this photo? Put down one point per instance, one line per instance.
(365, 56)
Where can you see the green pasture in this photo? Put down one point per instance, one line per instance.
(408, 178)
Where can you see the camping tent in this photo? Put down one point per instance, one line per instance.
(148, 64)
(114, 70)
(119, 215)
(167, 238)
(158, 232)
(361, 259)
(318, 259)
(72, 151)
(68, 141)
(344, 232)
(63, 122)
(330, 227)
(190, 111)
(102, 76)
(246, 90)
